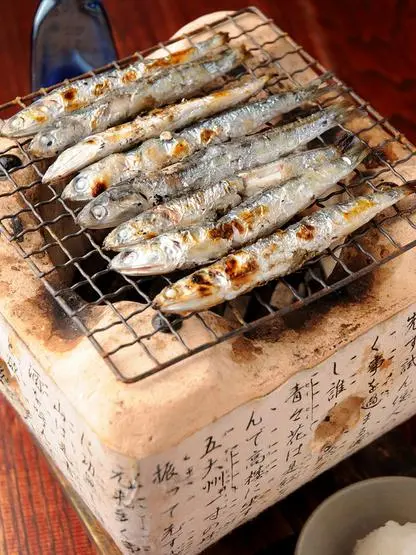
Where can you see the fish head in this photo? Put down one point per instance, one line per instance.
(201, 290)
(53, 140)
(31, 119)
(74, 159)
(160, 255)
(84, 187)
(125, 235)
(112, 207)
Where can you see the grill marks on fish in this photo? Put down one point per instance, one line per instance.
(126, 135)
(236, 122)
(233, 124)
(254, 181)
(99, 187)
(79, 94)
(178, 213)
(306, 232)
(239, 272)
(360, 207)
(277, 255)
(181, 149)
(165, 87)
(219, 161)
(129, 76)
(254, 218)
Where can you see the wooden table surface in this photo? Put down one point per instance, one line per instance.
(371, 46)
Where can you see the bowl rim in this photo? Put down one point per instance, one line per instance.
(356, 485)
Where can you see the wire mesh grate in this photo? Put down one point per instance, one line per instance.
(78, 277)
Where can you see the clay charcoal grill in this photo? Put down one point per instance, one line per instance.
(72, 266)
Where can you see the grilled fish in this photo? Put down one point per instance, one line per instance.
(78, 94)
(154, 153)
(177, 213)
(129, 199)
(256, 217)
(164, 87)
(219, 161)
(128, 134)
(209, 203)
(279, 254)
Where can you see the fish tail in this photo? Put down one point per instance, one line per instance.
(314, 87)
(316, 92)
(351, 146)
(319, 81)
(408, 188)
(343, 111)
(343, 139)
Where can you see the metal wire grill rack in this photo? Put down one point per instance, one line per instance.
(93, 284)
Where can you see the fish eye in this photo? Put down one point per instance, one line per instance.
(46, 140)
(347, 160)
(80, 184)
(170, 293)
(123, 234)
(99, 212)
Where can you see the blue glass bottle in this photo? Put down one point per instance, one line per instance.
(69, 37)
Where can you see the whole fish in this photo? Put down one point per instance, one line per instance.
(78, 94)
(142, 127)
(164, 87)
(202, 205)
(279, 254)
(154, 153)
(217, 162)
(256, 217)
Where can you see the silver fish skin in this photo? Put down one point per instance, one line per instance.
(131, 202)
(256, 217)
(177, 213)
(156, 153)
(223, 160)
(220, 161)
(102, 145)
(205, 204)
(78, 94)
(279, 254)
(165, 87)
(106, 211)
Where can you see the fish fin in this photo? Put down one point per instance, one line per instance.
(320, 80)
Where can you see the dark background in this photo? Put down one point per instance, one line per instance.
(369, 44)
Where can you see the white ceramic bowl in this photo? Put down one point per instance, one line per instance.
(353, 512)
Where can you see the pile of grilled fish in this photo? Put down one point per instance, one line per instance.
(188, 180)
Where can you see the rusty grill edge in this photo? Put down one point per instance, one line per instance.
(131, 285)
